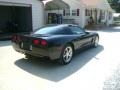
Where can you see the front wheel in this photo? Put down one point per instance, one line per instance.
(66, 55)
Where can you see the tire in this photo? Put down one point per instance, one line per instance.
(96, 41)
(28, 56)
(66, 55)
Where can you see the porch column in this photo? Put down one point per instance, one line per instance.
(106, 17)
(98, 15)
(83, 17)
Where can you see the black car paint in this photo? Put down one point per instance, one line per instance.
(55, 44)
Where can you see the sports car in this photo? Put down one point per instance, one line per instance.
(56, 42)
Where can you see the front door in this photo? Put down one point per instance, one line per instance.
(83, 38)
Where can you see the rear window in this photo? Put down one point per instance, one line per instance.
(53, 30)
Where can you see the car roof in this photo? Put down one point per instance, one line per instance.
(56, 25)
(60, 25)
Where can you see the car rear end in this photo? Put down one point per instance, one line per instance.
(27, 44)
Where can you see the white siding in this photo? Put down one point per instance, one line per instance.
(38, 15)
(37, 10)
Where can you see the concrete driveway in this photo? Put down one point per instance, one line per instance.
(89, 70)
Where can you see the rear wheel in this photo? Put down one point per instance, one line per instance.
(66, 55)
(28, 56)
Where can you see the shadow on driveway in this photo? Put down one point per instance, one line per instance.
(55, 72)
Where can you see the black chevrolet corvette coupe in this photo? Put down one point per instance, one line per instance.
(56, 42)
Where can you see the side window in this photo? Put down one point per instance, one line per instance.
(77, 30)
(64, 31)
(67, 31)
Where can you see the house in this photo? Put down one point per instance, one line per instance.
(81, 12)
(27, 15)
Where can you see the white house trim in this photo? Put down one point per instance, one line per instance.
(14, 4)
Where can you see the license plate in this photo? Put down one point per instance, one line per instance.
(26, 46)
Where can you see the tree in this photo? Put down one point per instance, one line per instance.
(115, 4)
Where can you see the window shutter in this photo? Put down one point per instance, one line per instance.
(63, 12)
(78, 12)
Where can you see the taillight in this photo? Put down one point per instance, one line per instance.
(36, 42)
(39, 42)
(43, 42)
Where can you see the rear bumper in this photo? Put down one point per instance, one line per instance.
(52, 53)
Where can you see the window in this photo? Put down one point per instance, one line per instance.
(49, 30)
(77, 30)
(54, 30)
(102, 15)
(67, 31)
(66, 12)
(88, 12)
(75, 12)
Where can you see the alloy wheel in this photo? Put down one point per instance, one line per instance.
(68, 53)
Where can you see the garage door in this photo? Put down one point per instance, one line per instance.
(15, 19)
